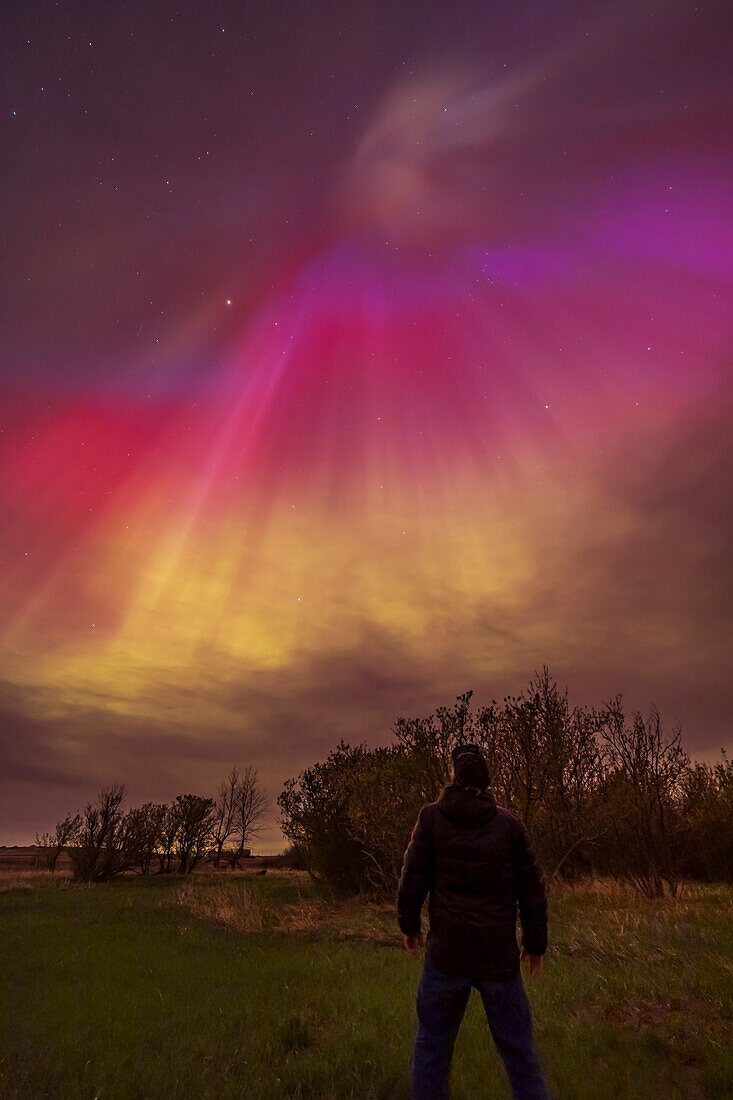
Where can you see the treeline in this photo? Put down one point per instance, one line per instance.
(105, 839)
(601, 792)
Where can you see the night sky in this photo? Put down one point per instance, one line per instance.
(354, 355)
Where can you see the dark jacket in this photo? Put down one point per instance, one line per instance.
(477, 862)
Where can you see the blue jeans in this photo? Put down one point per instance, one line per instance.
(441, 1003)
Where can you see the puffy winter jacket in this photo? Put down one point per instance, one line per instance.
(478, 864)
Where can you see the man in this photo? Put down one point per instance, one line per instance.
(478, 863)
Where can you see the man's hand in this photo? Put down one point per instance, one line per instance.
(536, 962)
(413, 943)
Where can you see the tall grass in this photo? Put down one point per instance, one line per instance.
(287, 903)
(33, 880)
(252, 986)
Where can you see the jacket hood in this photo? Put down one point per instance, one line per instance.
(467, 805)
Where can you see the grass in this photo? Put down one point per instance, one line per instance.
(225, 987)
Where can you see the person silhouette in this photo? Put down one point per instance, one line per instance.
(477, 863)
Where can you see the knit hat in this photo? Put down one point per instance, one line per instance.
(470, 767)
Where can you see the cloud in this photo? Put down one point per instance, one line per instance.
(631, 591)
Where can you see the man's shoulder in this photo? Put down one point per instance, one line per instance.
(511, 820)
(427, 814)
(430, 809)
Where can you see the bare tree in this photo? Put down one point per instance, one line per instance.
(545, 762)
(54, 843)
(195, 818)
(645, 767)
(706, 817)
(224, 812)
(100, 852)
(250, 806)
(169, 828)
(430, 741)
(143, 831)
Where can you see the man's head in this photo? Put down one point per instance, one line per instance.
(470, 767)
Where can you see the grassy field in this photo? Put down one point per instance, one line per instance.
(256, 986)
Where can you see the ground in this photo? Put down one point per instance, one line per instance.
(231, 985)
